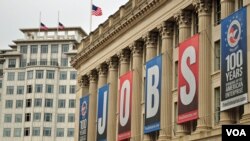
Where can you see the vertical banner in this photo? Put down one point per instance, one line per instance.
(188, 79)
(103, 93)
(83, 119)
(124, 127)
(153, 94)
(234, 60)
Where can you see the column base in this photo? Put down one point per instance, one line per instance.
(246, 115)
(227, 117)
(162, 136)
(202, 128)
(146, 138)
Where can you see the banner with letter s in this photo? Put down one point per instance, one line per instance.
(124, 125)
(188, 79)
(234, 60)
(103, 93)
(153, 94)
(83, 119)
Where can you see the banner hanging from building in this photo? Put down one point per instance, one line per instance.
(124, 127)
(234, 60)
(153, 94)
(83, 118)
(188, 79)
(103, 93)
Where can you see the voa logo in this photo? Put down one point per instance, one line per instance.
(236, 132)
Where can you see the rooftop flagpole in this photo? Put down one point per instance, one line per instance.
(39, 26)
(90, 22)
(57, 28)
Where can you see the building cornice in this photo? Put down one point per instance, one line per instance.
(134, 16)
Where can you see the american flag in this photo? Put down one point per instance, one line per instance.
(43, 27)
(60, 26)
(97, 11)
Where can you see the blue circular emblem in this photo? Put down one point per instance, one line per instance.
(233, 33)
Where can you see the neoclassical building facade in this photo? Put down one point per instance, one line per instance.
(139, 32)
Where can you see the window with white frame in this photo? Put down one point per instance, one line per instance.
(48, 102)
(19, 104)
(8, 104)
(64, 62)
(72, 89)
(29, 89)
(12, 63)
(37, 117)
(17, 132)
(38, 102)
(30, 74)
(50, 74)
(27, 117)
(10, 90)
(23, 63)
(23, 49)
(26, 131)
(18, 118)
(39, 74)
(54, 48)
(46, 131)
(73, 75)
(36, 131)
(62, 89)
(49, 88)
(48, 117)
(33, 49)
(70, 132)
(61, 118)
(11, 76)
(63, 75)
(65, 48)
(217, 55)
(71, 117)
(71, 103)
(60, 132)
(8, 118)
(39, 88)
(20, 90)
(21, 76)
(61, 103)
(217, 12)
(6, 132)
(44, 48)
(217, 105)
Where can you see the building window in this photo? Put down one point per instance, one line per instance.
(44, 48)
(23, 63)
(20, 90)
(43, 62)
(176, 35)
(37, 117)
(60, 117)
(72, 89)
(19, 104)
(21, 76)
(73, 75)
(23, 49)
(59, 132)
(26, 131)
(29, 88)
(7, 118)
(70, 132)
(27, 117)
(28, 102)
(30, 74)
(65, 48)
(175, 117)
(10, 90)
(49, 88)
(33, 62)
(46, 131)
(12, 63)
(8, 104)
(33, 49)
(54, 48)
(217, 12)
(54, 62)
(50, 74)
(71, 103)
(71, 117)
(63, 75)
(39, 88)
(18, 118)
(17, 132)
(11, 76)
(195, 23)
(38, 102)
(48, 117)
(36, 131)
(64, 62)
(62, 89)
(175, 74)
(217, 55)
(1, 84)
(217, 105)
(48, 102)
(6, 132)
(39, 74)
(61, 103)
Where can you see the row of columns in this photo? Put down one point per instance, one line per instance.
(108, 73)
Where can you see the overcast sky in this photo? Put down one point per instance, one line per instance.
(16, 14)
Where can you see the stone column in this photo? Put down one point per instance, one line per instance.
(151, 50)
(183, 19)
(82, 90)
(113, 95)
(136, 49)
(102, 74)
(166, 30)
(246, 114)
(227, 7)
(203, 8)
(93, 76)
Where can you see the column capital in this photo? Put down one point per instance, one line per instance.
(166, 29)
(124, 55)
(150, 38)
(102, 69)
(183, 18)
(136, 47)
(202, 6)
(113, 62)
(93, 76)
(83, 81)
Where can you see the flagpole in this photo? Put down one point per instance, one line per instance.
(39, 23)
(58, 14)
(90, 23)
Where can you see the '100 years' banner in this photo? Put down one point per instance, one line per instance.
(233, 60)
(83, 118)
